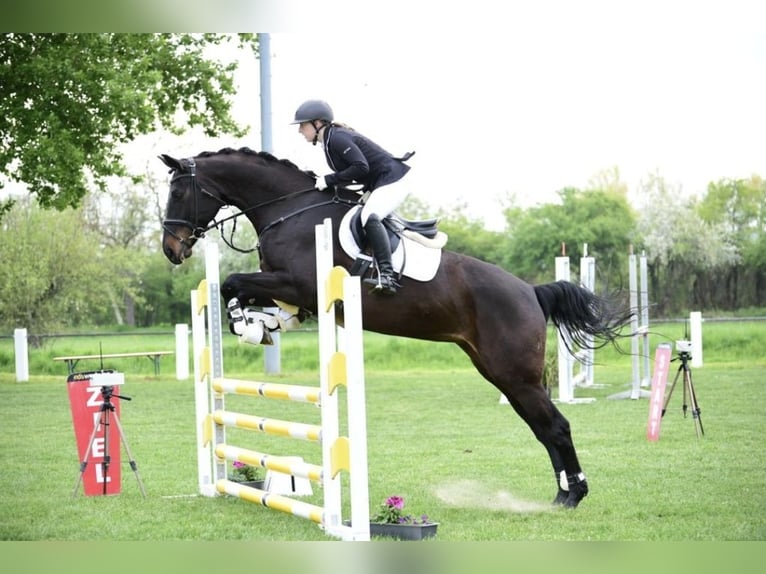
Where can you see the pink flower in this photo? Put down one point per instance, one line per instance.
(395, 502)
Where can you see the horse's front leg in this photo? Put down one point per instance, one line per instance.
(262, 289)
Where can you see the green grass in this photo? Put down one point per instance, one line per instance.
(437, 436)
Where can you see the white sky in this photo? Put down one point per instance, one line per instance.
(529, 103)
(503, 98)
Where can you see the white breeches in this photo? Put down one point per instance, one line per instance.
(384, 200)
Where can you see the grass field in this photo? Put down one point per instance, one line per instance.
(437, 436)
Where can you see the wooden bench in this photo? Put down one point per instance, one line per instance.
(154, 356)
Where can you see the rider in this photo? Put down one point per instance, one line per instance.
(354, 158)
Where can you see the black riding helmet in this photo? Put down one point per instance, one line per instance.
(311, 110)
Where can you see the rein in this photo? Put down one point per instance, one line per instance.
(336, 199)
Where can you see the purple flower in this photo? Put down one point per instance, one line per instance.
(391, 513)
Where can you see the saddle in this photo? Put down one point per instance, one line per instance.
(424, 232)
(396, 226)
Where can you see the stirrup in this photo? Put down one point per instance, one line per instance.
(384, 284)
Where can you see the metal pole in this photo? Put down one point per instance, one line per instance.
(264, 50)
(271, 354)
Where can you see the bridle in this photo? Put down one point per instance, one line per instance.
(198, 232)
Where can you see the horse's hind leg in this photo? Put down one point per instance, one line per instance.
(520, 381)
(515, 367)
(552, 429)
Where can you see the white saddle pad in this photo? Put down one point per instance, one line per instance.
(411, 258)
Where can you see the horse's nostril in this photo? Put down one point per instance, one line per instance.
(170, 254)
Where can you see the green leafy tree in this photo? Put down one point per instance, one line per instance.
(70, 100)
(55, 273)
(739, 206)
(415, 208)
(601, 219)
(125, 224)
(469, 236)
(166, 289)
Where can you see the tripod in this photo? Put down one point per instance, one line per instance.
(107, 409)
(689, 392)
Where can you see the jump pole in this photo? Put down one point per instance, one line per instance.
(338, 367)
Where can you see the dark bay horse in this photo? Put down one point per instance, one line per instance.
(496, 318)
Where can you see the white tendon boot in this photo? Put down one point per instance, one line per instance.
(259, 327)
(255, 334)
(254, 327)
(249, 324)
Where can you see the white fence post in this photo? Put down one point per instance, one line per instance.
(695, 323)
(21, 351)
(182, 351)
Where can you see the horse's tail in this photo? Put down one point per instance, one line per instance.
(587, 320)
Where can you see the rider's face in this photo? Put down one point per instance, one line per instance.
(307, 130)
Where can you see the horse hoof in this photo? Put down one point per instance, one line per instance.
(577, 492)
(561, 497)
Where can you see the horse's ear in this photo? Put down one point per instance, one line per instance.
(172, 163)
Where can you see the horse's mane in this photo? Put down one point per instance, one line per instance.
(247, 151)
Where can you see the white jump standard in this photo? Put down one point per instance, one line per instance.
(338, 367)
(567, 362)
(639, 303)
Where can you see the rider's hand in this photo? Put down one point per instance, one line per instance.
(321, 183)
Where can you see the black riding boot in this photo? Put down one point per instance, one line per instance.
(378, 239)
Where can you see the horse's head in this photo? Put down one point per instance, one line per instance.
(263, 188)
(188, 211)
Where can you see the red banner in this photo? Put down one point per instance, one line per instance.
(86, 400)
(659, 381)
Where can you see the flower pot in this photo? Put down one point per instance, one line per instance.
(404, 531)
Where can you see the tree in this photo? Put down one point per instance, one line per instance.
(683, 251)
(124, 221)
(739, 206)
(70, 100)
(602, 219)
(469, 236)
(55, 272)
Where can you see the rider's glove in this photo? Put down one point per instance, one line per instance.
(321, 183)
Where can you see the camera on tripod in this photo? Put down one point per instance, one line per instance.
(108, 414)
(684, 347)
(107, 379)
